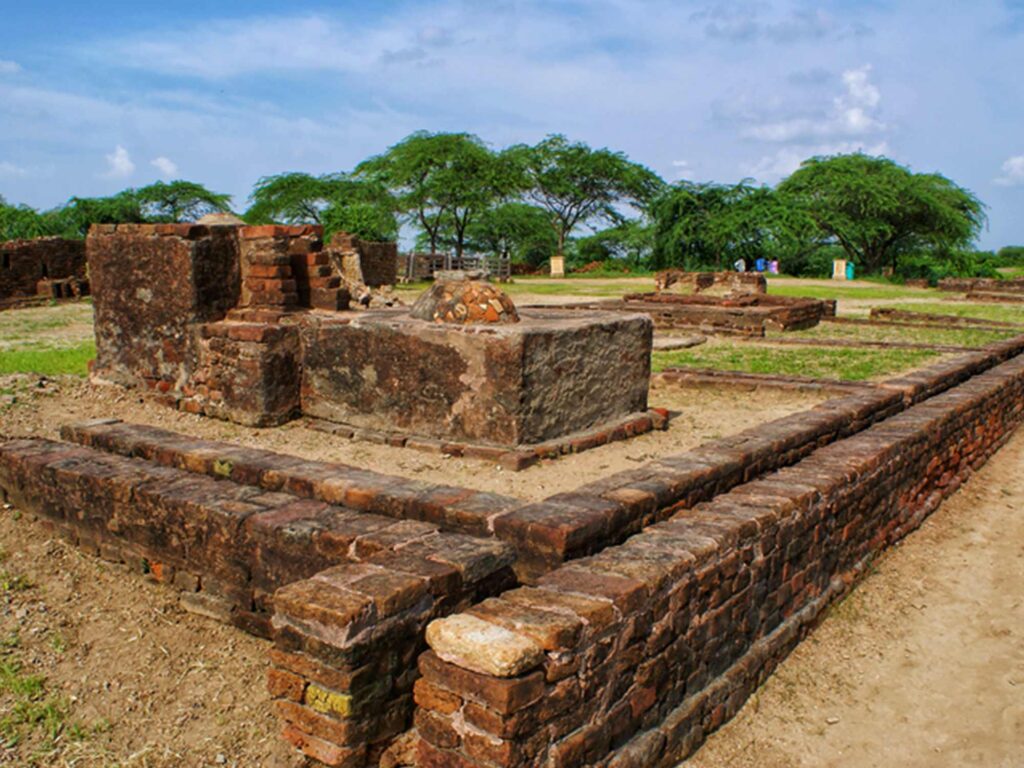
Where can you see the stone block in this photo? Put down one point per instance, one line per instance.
(549, 375)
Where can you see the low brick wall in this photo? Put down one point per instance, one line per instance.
(24, 263)
(747, 315)
(629, 653)
(983, 284)
(630, 657)
(354, 590)
(711, 282)
(566, 525)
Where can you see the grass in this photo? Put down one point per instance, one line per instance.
(47, 360)
(1003, 311)
(958, 337)
(816, 362)
(30, 323)
(794, 287)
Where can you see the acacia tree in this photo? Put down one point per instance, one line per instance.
(711, 225)
(337, 201)
(578, 185)
(876, 209)
(442, 182)
(82, 212)
(180, 200)
(513, 229)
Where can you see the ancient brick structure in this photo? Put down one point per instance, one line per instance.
(363, 262)
(712, 283)
(649, 604)
(48, 266)
(216, 320)
(746, 314)
(982, 284)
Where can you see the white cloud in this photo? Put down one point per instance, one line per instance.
(780, 164)
(168, 169)
(119, 164)
(851, 114)
(10, 170)
(8, 67)
(1013, 172)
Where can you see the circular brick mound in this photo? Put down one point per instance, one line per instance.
(464, 299)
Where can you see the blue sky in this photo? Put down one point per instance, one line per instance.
(98, 96)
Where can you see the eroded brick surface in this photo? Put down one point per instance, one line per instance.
(678, 625)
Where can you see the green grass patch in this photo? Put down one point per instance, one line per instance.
(816, 362)
(48, 361)
(816, 290)
(1001, 311)
(957, 337)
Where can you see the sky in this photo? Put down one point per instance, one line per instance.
(99, 96)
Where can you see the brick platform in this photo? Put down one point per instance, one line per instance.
(746, 315)
(648, 604)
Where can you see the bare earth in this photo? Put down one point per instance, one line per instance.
(40, 412)
(922, 665)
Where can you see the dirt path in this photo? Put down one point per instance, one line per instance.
(923, 665)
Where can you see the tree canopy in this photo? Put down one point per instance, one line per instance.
(702, 226)
(180, 201)
(578, 185)
(337, 201)
(877, 210)
(442, 182)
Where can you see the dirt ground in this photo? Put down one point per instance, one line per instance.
(130, 679)
(39, 411)
(922, 665)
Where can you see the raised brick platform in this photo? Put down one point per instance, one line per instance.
(620, 651)
(745, 315)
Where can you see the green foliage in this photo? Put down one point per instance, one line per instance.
(82, 212)
(711, 226)
(175, 201)
(517, 229)
(443, 182)
(877, 210)
(578, 185)
(370, 221)
(21, 222)
(1010, 256)
(48, 361)
(629, 243)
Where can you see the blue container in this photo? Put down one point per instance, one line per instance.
(849, 270)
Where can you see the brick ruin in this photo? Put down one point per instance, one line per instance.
(48, 267)
(711, 283)
(743, 314)
(617, 624)
(416, 624)
(248, 324)
(985, 288)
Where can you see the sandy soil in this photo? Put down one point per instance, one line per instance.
(922, 665)
(39, 411)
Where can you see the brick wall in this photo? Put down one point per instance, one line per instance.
(152, 283)
(354, 590)
(23, 263)
(631, 656)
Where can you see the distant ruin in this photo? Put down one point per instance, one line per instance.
(47, 267)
